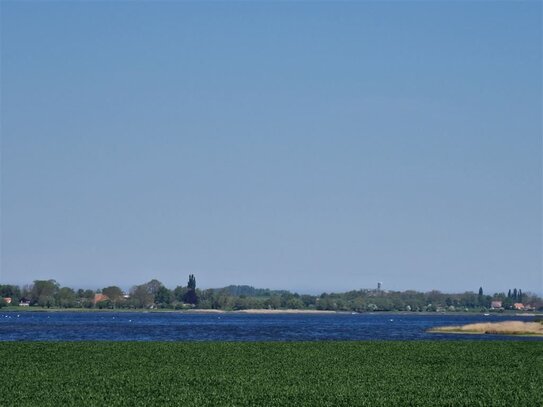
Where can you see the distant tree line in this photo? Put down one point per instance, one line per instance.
(153, 294)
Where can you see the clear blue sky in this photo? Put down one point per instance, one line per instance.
(307, 146)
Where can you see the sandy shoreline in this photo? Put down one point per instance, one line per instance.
(256, 311)
(184, 311)
(261, 311)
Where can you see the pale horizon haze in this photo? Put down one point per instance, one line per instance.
(308, 146)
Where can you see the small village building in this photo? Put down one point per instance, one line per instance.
(495, 304)
(25, 302)
(7, 300)
(99, 297)
(518, 306)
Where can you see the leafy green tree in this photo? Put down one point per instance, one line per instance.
(206, 298)
(43, 292)
(179, 293)
(85, 294)
(11, 291)
(141, 297)
(66, 297)
(508, 303)
(274, 302)
(153, 286)
(163, 296)
(309, 300)
(487, 299)
(8, 290)
(114, 293)
(434, 297)
(223, 301)
(295, 303)
(84, 298)
(468, 299)
(104, 304)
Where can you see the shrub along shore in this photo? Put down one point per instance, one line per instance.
(155, 295)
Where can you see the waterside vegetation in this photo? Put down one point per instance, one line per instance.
(155, 295)
(500, 328)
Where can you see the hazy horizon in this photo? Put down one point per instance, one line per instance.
(306, 146)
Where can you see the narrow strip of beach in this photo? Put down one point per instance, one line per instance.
(262, 311)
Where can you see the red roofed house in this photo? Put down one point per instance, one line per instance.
(495, 304)
(7, 300)
(99, 297)
(518, 306)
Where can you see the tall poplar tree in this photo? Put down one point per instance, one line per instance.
(190, 296)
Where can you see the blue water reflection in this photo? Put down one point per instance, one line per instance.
(170, 326)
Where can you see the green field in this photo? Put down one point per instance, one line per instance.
(272, 374)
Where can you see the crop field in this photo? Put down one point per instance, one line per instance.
(492, 373)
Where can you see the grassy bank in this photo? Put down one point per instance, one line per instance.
(272, 374)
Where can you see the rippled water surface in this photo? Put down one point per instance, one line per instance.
(170, 326)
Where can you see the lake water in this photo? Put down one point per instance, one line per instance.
(169, 326)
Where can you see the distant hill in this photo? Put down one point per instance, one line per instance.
(249, 291)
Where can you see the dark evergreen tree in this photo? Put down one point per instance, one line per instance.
(515, 294)
(519, 295)
(509, 293)
(192, 282)
(480, 297)
(190, 296)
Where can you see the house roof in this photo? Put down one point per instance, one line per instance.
(100, 297)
